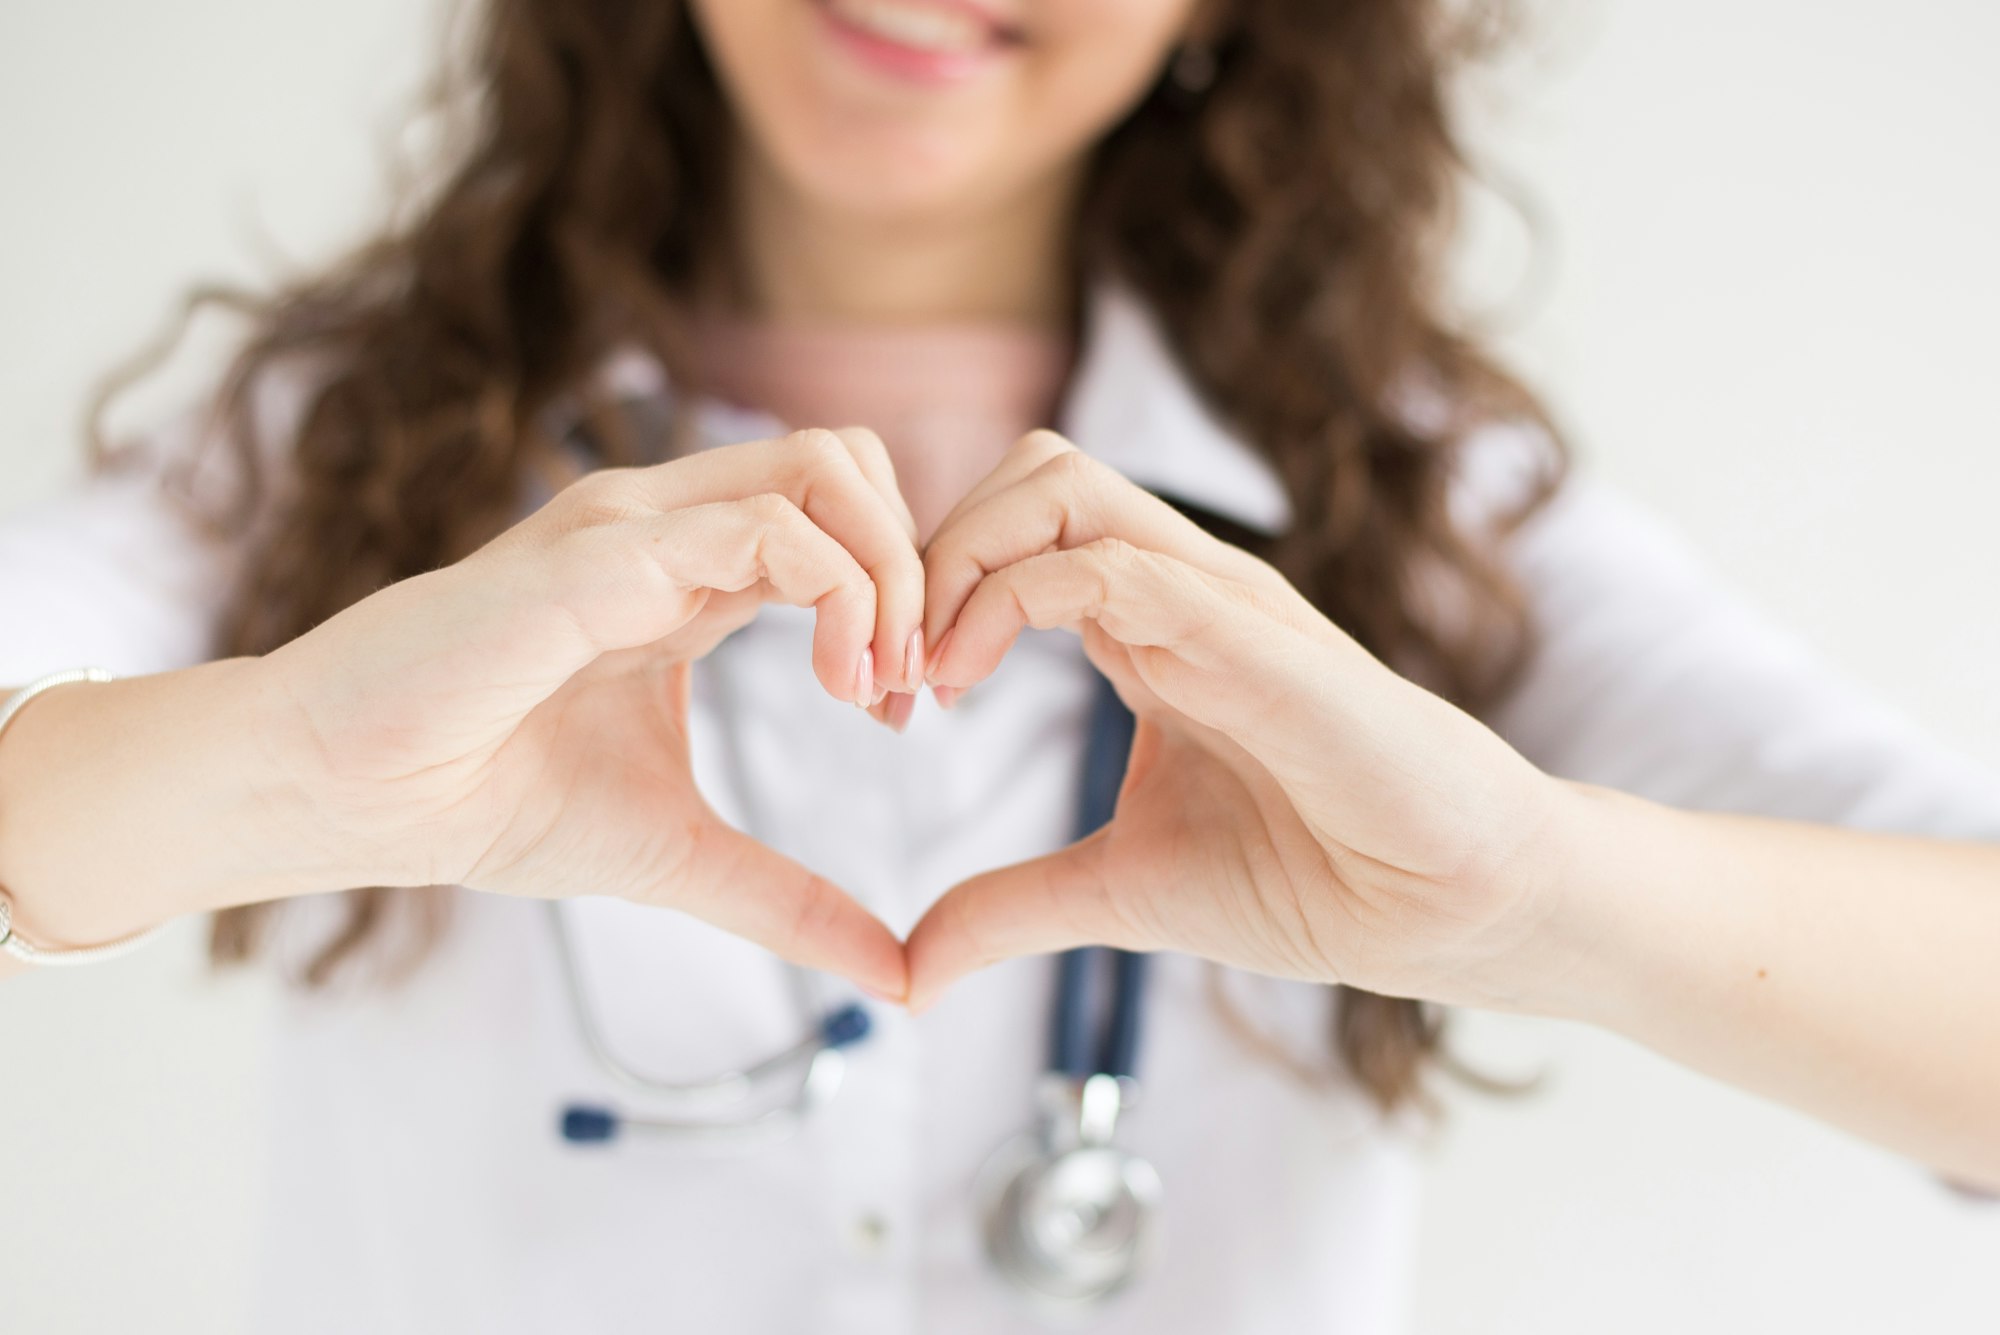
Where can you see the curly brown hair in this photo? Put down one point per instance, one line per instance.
(1287, 224)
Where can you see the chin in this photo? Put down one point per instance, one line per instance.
(888, 181)
(870, 128)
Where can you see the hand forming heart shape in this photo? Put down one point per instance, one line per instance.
(517, 722)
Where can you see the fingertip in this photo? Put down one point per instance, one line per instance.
(843, 654)
(792, 911)
(891, 989)
(887, 998)
(925, 987)
(937, 654)
(899, 645)
(919, 998)
(854, 683)
(881, 968)
(934, 963)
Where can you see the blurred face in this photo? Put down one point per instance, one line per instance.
(906, 109)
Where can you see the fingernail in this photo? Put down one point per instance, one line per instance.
(947, 696)
(901, 705)
(883, 997)
(937, 653)
(913, 659)
(864, 679)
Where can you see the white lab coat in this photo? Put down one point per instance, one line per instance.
(418, 1183)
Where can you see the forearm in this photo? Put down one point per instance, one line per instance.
(128, 802)
(1854, 976)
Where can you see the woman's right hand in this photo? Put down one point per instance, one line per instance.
(517, 722)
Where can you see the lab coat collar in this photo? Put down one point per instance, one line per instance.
(1129, 404)
(1132, 406)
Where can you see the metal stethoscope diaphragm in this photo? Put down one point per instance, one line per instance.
(1071, 1218)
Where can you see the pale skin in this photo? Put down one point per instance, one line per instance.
(516, 723)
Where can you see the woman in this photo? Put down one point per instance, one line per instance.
(1302, 528)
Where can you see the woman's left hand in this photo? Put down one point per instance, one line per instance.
(1291, 805)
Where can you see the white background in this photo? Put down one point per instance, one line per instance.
(1771, 281)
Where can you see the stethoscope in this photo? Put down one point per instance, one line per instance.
(1070, 1217)
(766, 1098)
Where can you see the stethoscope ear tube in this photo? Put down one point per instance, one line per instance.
(842, 1027)
(745, 1102)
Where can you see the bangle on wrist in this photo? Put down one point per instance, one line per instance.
(12, 944)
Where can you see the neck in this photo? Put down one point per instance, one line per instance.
(802, 262)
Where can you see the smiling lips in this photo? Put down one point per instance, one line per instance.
(929, 40)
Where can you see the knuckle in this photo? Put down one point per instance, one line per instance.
(1069, 466)
(774, 531)
(1114, 563)
(861, 440)
(943, 555)
(771, 509)
(1080, 479)
(817, 449)
(1117, 555)
(1042, 443)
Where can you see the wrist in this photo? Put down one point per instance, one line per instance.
(129, 802)
(1609, 934)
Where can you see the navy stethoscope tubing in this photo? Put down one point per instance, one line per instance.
(1071, 1050)
(818, 1053)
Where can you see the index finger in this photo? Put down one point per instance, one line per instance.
(1067, 500)
(843, 483)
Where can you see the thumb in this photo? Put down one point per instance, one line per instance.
(1049, 903)
(734, 882)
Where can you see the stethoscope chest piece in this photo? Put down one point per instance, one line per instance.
(1071, 1218)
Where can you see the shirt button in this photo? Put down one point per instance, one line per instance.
(869, 1234)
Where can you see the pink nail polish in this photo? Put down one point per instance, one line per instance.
(947, 696)
(913, 658)
(937, 653)
(864, 679)
(901, 705)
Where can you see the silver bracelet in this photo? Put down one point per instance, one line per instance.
(10, 944)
